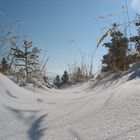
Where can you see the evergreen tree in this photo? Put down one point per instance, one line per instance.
(57, 81)
(26, 58)
(116, 58)
(65, 77)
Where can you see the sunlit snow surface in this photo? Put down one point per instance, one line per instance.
(95, 110)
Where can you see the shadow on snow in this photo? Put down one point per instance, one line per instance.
(36, 132)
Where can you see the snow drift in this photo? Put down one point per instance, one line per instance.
(107, 109)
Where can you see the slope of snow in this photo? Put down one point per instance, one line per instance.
(95, 110)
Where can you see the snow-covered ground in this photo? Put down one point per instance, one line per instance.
(95, 110)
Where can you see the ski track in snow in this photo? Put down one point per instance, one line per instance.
(96, 110)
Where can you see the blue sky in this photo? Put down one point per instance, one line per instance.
(64, 28)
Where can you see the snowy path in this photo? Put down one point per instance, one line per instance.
(108, 111)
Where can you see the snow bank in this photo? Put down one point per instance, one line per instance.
(107, 109)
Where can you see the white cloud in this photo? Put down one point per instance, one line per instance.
(135, 4)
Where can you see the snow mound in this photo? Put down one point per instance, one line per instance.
(107, 109)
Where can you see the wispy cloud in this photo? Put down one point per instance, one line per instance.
(135, 4)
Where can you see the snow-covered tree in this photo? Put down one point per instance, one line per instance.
(26, 57)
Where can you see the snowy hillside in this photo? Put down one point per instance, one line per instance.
(96, 110)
